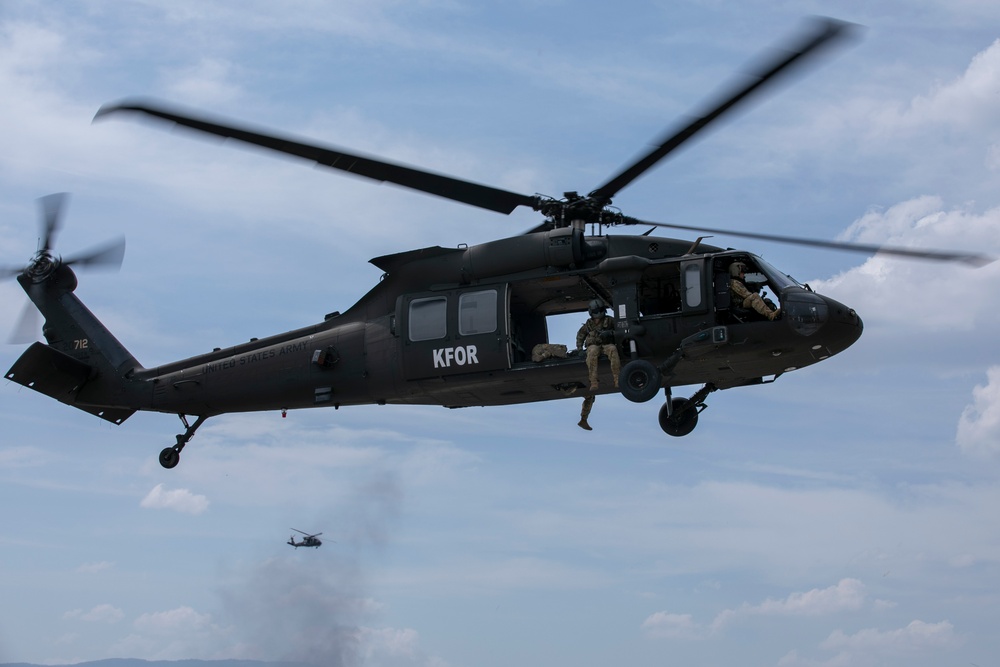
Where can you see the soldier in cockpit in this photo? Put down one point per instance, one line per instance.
(744, 297)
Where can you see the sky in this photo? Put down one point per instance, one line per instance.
(843, 515)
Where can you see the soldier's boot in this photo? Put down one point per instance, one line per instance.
(588, 405)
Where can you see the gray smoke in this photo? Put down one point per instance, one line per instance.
(310, 607)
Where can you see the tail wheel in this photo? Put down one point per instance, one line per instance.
(639, 381)
(678, 421)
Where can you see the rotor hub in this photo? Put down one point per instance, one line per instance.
(43, 266)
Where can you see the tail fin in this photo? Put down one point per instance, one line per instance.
(83, 364)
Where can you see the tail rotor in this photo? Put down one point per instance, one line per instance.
(45, 263)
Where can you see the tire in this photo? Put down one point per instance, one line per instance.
(169, 458)
(639, 381)
(680, 423)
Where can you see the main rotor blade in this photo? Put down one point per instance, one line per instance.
(823, 31)
(108, 255)
(467, 192)
(971, 259)
(51, 207)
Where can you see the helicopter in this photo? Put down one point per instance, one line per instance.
(456, 326)
(307, 541)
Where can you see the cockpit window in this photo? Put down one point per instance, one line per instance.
(779, 281)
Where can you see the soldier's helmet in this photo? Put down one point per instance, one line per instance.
(597, 307)
(736, 268)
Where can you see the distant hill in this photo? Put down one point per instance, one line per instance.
(135, 662)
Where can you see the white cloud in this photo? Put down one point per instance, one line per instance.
(664, 625)
(917, 635)
(922, 295)
(846, 595)
(205, 84)
(102, 613)
(173, 621)
(979, 426)
(969, 99)
(175, 634)
(873, 647)
(179, 500)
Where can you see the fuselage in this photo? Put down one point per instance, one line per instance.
(455, 327)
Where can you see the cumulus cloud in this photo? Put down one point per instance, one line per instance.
(846, 595)
(205, 83)
(930, 297)
(967, 100)
(179, 500)
(665, 625)
(102, 613)
(174, 634)
(916, 635)
(872, 646)
(173, 621)
(970, 98)
(979, 426)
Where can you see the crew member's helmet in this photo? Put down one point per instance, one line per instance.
(597, 307)
(736, 268)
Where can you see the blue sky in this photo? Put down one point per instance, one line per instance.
(845, 514)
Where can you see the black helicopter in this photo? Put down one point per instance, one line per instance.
(307, 541)
(456, 326)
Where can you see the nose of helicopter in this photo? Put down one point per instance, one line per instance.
(833, 326)
(845, 326)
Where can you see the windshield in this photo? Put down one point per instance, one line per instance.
(779, 281)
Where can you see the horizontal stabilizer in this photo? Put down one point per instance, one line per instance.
(50, 372)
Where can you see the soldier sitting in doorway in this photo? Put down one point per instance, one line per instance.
(597, 336)
(743, 297)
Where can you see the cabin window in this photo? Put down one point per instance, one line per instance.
(659, 290)
(477, 313)
(428, 318)
(692, 285)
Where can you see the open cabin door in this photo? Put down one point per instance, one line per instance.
(455, 332)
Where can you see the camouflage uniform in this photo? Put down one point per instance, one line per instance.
(743, 297)
(589, 336)
(588, 404)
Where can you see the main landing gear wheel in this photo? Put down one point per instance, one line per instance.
(677, 421)
(169, 458)
(639, 381)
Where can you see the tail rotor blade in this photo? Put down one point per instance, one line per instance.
(10, 271)
(27, 327)
(52, 207)
(109, 255)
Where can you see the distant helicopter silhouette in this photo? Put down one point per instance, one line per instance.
(307, 541)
